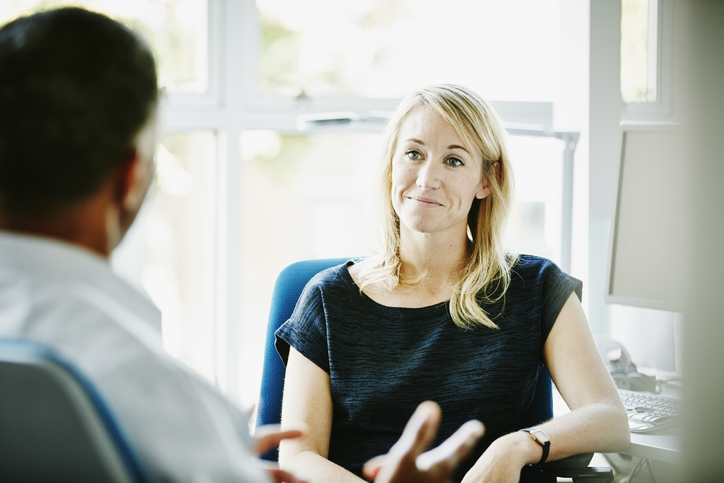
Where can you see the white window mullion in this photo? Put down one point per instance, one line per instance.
(228, 260)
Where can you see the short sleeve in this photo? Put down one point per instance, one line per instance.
(306, 330)
(557, 288)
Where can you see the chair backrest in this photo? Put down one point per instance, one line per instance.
(288, 288)
(54, 425)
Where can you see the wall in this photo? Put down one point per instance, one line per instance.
(700, 93)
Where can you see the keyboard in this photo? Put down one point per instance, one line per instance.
(650, 412)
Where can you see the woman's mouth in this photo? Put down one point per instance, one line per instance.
(425, 201)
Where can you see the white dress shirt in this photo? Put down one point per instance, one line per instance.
(62, 295)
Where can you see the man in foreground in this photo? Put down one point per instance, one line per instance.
(78, 132)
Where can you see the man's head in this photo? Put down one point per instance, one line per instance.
(76, 91)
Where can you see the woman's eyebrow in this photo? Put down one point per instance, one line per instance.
(415, 140)
(455, 146)
(452, 146)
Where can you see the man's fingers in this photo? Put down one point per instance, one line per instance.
(416, 437)
(269, 436)
(372, 468)
(453, 449)
(420, 429)
(280, 476)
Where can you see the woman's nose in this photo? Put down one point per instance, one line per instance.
(428, 177)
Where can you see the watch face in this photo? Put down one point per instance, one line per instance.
(540, 435)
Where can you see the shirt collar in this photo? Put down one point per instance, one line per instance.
(42, 255)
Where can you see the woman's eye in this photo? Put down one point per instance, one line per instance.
(454, 162)
(412, 154)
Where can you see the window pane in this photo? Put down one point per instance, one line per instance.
(177, 31)
(303, 197)
(635, 54)
(534, 226)
(169, 250)
(374, 48)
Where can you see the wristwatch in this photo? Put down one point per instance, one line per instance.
(540, 437)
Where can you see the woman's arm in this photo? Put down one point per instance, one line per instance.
(597, 421)
(308, 401)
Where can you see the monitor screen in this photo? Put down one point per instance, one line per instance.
(647, 256)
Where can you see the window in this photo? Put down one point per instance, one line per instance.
(646, 36)
(535, 222)
(168, 252)
(639, 47)
(243, 191)
(175, 29)
(382, 49)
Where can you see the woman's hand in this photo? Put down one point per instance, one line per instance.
(407, 461)
(268, 437)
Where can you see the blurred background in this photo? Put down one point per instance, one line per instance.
(244, 188)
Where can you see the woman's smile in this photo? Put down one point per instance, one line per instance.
(427, 202)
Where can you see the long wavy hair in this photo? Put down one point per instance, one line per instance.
(486, 275)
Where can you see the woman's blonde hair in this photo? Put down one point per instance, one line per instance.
(486, 275)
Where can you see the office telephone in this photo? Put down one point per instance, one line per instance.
(623, 371)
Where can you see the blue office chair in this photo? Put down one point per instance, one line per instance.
(288, 288)
(54, 425)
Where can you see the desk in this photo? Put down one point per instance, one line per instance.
(657, 456)
(660, 447)
(651, 458)
(664, 445)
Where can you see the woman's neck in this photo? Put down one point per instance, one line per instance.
(433, 258)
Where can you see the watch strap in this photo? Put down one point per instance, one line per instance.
(545, 444)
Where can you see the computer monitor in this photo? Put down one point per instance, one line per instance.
(647, 256)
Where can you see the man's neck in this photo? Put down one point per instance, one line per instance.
(83, 224)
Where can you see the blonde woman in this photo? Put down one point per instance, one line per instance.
(442, 313)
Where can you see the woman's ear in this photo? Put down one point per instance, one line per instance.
(484, 191)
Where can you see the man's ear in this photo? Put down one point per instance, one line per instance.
(132, 181)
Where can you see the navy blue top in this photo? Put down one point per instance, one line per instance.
(383, 361)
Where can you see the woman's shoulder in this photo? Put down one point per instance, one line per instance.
(331, 278)
(534, 268)
(531, 271)
(532, 263)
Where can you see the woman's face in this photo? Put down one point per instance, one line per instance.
(435, 177)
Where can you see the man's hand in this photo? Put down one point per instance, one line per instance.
(407, 461)
(268, 437)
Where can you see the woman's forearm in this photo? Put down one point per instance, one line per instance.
(598, 427)
(317, 469)
(595, 428)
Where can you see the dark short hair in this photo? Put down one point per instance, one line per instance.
(76, 88)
